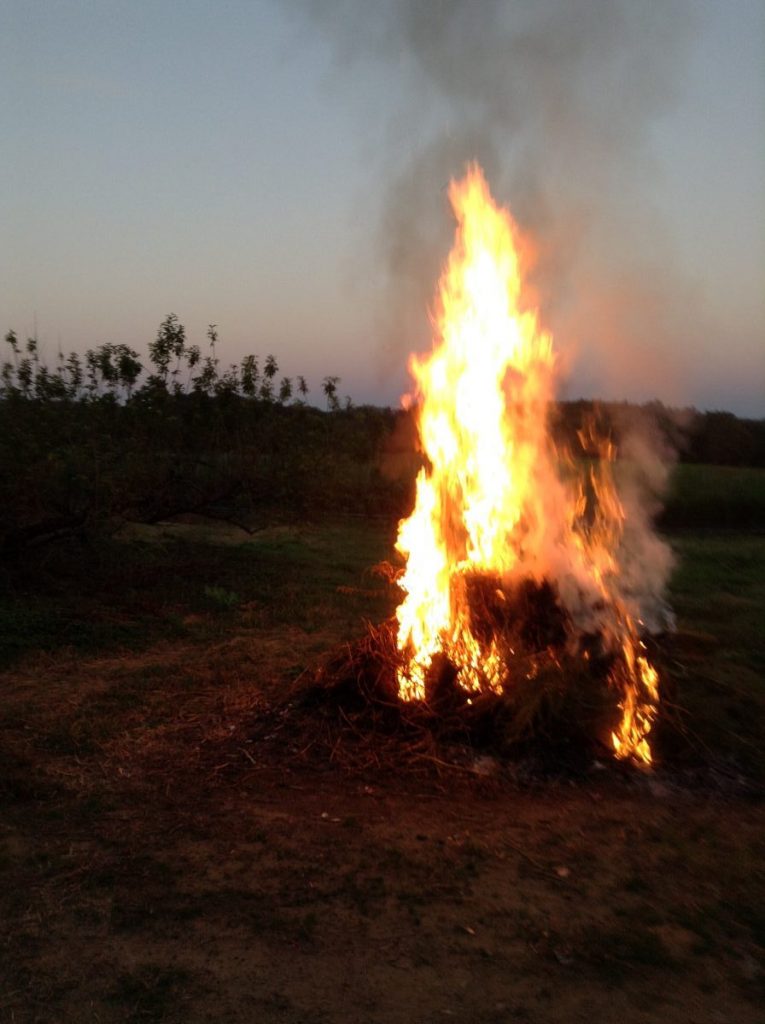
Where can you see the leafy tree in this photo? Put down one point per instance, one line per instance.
(24, 375)
(128, 368)
(205, 381)
(228, 382)
(105, 366)
(10, 370)
(329, 387)
(270, 370)
(8, 377)
(13, 342)
(212, 334)
(74, 370)
(250, 374)
(91, 364)
(169, 344)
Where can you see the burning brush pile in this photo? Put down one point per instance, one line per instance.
(523, 598)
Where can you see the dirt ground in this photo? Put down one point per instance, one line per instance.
(163, 860)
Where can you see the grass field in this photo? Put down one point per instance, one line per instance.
(715, 497)
(160, 864)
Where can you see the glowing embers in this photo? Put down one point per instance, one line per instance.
(512, 548)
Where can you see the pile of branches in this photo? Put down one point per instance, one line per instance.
(557, 716)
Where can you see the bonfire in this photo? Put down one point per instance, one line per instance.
(513, 586)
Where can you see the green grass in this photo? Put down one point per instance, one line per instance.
(715, 497)
(124, 595)
(718, 593)
(111, 595)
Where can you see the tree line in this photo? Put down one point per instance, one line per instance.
(101, 438)
(115, 372)
(714, 438)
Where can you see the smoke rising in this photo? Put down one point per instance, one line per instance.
(644, 558)
(556, 99)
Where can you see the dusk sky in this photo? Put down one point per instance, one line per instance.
(280, 169)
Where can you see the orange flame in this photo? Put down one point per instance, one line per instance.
(495, 496)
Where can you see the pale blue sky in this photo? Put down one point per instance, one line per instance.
(231, 162)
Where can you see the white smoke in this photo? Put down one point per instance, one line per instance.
(556, 99)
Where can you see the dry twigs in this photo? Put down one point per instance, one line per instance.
(348, 714)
